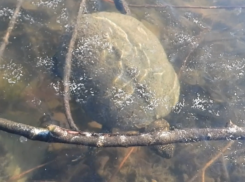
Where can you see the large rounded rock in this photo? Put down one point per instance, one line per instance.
(120, 72)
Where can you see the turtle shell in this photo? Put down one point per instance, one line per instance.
(120, 72)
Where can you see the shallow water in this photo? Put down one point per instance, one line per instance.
(206, 47)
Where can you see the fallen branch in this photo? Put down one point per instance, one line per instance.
(56, 134)
(67, 70)
(10, 28)
(183, 7)
(171, 6)
(21, 175)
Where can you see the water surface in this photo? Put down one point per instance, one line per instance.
(206, 47)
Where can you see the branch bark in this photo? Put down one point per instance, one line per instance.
(10, 28)
(183, 7)
(67, 70)
(56, 134)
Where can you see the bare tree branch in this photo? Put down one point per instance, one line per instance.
(56, 134)
(183, 7)
(67, 70)
(10, 28)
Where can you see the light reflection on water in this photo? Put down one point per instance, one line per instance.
(205, 46)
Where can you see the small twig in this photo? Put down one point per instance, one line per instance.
(17, 177)
(209, 163)
(10, 28)
(179, 7)
(122, 163)
(214, 159)
(184, 7)
(67, 70)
